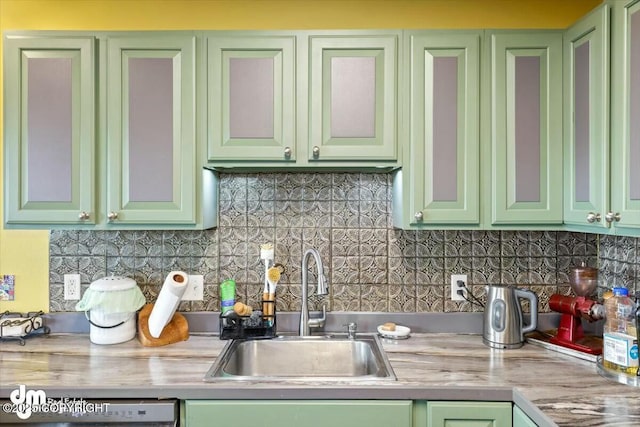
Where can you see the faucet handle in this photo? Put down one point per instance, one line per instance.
(319, 322)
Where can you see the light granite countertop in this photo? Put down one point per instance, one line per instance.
(549, 386)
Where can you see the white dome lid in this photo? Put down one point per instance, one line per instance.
(113, 283)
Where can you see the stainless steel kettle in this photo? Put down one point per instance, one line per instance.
(503, 325)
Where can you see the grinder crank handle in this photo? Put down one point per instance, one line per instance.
(533, 303)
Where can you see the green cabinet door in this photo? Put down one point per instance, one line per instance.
(353, 105)
(151, 138)
(520, 419)
(466, 414)
(586, 121)
(307, 413)
(49, 130)
(525, 127)
(625, 117)
(251, 98)
(441, 162)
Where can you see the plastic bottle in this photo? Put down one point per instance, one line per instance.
(620, 343)
(227, 295)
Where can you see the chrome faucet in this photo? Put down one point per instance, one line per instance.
(305, 322)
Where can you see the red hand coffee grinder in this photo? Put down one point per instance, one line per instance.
(583, 281)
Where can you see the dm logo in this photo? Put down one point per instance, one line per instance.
(25, 400)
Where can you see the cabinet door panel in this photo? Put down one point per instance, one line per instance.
(49, 127)
(151, 130)
(469, 414)
(625, 113)
(633, 72)
(49, 130)
(634, 105)
(151, 124)
(353, 98)
(526, 128)
(251, 98)
(586, 116)
(280, 413)
(444, 139)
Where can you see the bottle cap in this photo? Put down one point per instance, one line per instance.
(620, 292)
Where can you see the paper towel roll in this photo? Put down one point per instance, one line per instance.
(172, 290)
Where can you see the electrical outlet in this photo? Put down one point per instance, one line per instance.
(195, 288)
(455, 287)
(71, 287)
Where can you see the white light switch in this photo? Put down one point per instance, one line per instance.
(195, 288)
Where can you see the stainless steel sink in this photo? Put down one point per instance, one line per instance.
(331, 358)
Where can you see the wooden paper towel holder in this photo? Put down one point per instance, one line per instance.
(175, 331)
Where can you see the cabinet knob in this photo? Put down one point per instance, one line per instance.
(287, 152)
(83, 216)
(593, 217)
(112, 216)
(419, 216)
(611, 217)
(316, 152)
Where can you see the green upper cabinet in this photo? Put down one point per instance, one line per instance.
(602, 120)
(525, 127)
(101, 131)
(151, 139)
(303, 99)
(353, 105)
(49, 126)
(625, 117)
(586, 120)
(251, 98)
(441, 162)
(498, 166)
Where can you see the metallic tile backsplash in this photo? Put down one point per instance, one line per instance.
(371, 266)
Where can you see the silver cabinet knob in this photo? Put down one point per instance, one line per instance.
(593, 217)
(83, 216)
(287, 152)
(316, 152)
(611, 217)
(419, 216)
(112, 216)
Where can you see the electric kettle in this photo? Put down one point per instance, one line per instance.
(503, 325)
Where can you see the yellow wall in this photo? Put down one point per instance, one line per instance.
(272, 14)
(25, 253)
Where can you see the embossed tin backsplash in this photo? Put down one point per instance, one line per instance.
(370, 265)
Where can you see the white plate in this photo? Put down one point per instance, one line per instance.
(401, 332)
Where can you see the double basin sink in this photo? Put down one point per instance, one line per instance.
(330, 358)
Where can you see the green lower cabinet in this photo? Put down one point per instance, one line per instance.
(308, 413)
(520, 419)
(462, 414)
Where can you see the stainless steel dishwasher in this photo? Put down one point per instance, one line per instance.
(103, 412)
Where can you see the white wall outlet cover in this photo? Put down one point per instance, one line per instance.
(195, 288)
(454, 287)
(71, 287)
